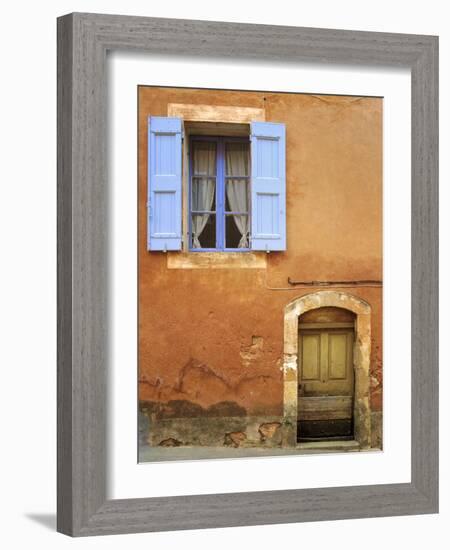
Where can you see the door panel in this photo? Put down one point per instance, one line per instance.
(326, 382)
(337, 356)
(311, 352)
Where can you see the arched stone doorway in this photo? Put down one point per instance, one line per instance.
(361, 357)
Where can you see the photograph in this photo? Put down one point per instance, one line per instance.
(260, 273)
(222, 254)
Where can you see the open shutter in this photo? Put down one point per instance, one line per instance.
(164, 184)
(268, 152)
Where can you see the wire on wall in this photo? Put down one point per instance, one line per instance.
(294, 285)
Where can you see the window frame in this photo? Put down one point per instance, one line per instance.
(220, 198)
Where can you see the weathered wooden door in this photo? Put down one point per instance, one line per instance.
(326, 381)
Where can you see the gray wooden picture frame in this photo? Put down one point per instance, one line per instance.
(83, 41)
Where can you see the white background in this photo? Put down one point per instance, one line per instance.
(28, 299)
(131, 480)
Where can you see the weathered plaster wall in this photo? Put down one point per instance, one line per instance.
(211, 340)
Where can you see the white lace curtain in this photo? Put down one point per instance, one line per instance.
(237, 164)
(203, 188)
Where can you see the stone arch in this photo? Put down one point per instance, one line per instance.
(361, 360)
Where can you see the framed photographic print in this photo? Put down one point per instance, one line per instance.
(247, 271)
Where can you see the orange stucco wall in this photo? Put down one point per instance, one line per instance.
(208, 336)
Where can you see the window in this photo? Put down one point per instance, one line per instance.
(219, 194)
(236, 189)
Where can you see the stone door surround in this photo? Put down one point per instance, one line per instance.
(361, 360)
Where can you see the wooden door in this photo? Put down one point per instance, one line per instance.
(326, 381)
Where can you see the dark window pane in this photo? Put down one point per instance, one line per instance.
(203, 231)
(236, 231)
(203, 197)
(237, 195)
(204, 158)
(237, 158)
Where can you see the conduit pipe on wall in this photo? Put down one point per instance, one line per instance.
(335, 283)
(318, 284)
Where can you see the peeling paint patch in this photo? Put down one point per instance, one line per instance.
(253, 352)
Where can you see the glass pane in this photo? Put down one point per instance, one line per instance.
(237, 195)
(237, 158)
(203, 194)
(204, 158)
(236, 231)
(203, 231)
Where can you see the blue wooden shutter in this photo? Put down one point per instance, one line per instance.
(164, 184)
(268, 152)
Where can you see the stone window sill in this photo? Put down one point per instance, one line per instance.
(216, 260)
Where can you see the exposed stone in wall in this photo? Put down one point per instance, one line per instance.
(270, 432)
(234, 439)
